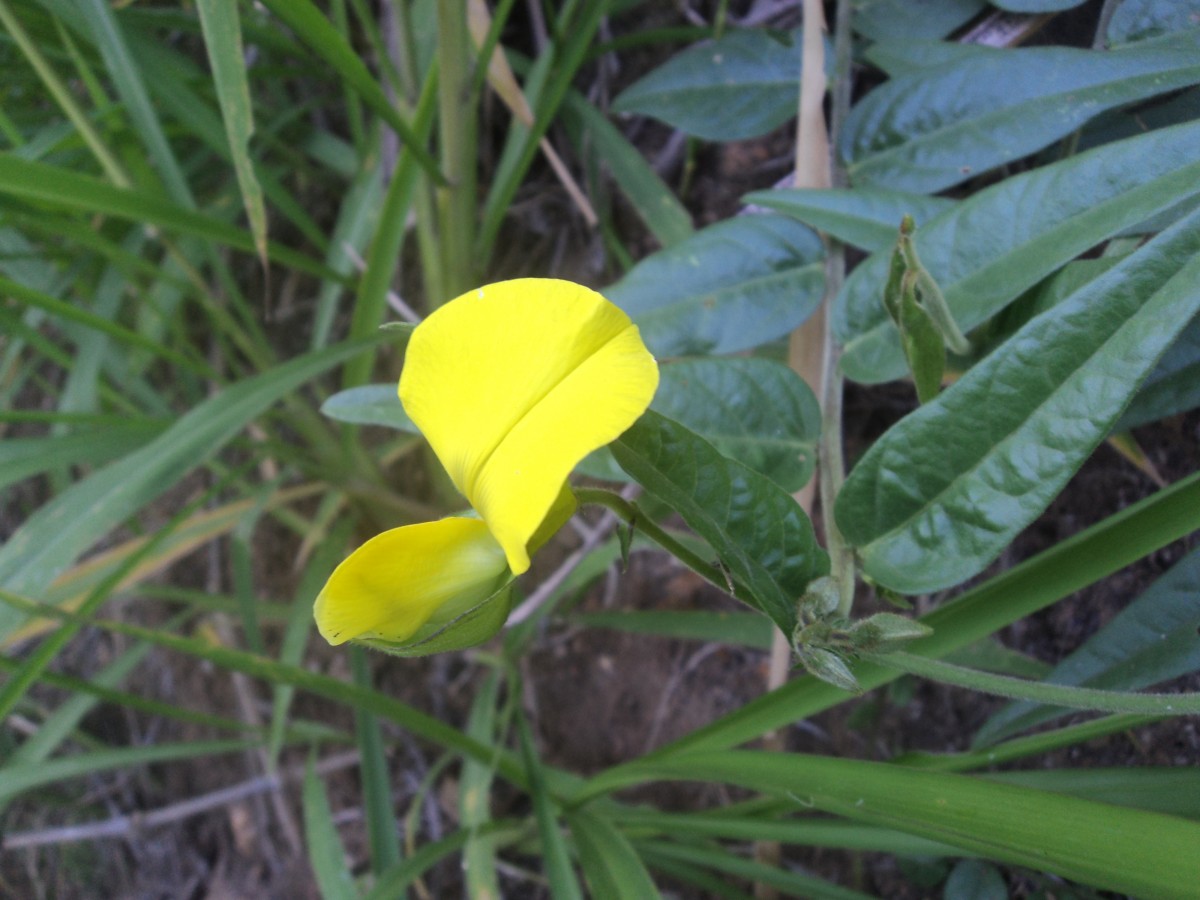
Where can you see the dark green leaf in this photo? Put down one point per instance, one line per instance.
(1174, 385)
(1037, 6)
(989, 249)
(756, 411)
(865, 217)
(743, 85)
(1136, 20)
(729, 287)
(903, 57)
(943, 492)
(1152, 640)
(936, 127)
(912, 19)
(757, 530)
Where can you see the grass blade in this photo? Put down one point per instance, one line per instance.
(223, 40)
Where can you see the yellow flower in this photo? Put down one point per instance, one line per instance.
(512, 384)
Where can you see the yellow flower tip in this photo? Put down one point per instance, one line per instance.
(407, 577)
(513, 384)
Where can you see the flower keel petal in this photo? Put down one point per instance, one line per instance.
(401, 579)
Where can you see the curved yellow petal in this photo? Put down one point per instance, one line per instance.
(401, 579)
(513, 384)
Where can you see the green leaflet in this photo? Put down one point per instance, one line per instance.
(944, 491)
(906, 20)
(756, 411)
(729, 287)
(740, 86)
(865, 217)
(1136, 20)
(758, 531)
(936, 127)
(369, 404)
(989, 249)
(1174, 385)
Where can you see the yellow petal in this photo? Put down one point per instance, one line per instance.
(513, 384)
(401, 579)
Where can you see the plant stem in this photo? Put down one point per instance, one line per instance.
(1042, 692)
(629, 513)
(1023, 747)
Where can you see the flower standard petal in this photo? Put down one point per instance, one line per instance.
(513, 384)
(400, 579)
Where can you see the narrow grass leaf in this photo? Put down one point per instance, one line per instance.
(325, 852)
(655, 203)
(719, 859)
(41, 773)
(296, 632)
(802, 831)
(555, 855)
(71, 588)
(941, 494)
(610, 864)
(61, 188)
(1171, 790)
(100, 26)
(51, 539)
(395, 880)
(223, 40)
(990, 248)
(1146, 854)
(382, 831)
(729, 287)
(22, 458)
(1153, 639)
(330, 45)
(475, 795)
